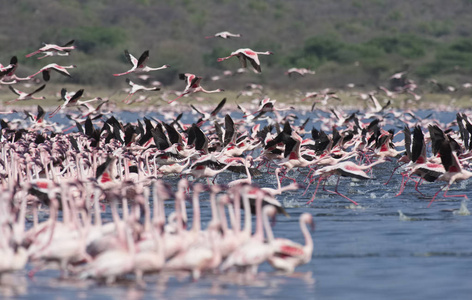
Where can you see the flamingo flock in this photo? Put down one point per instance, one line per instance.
(75, 178)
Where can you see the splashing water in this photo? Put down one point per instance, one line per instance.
(463, 211)
(403, 217)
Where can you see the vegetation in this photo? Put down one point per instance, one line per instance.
(363, 42)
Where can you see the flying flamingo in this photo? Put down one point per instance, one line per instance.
(53, 53)
(454, 171)
(139, 65)
(224, 35)
(289, 254)
(345, 169)
(52, 47)
(300, 71)
(136, 88)
(247, 54)
(193, 86)
(69, 100)
(60, 69)
(26, 96)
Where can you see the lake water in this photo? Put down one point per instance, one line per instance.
(365, 252)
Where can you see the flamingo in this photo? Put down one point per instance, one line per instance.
(52, 47)
(247, 54)
(345, 169)
(47, 69)
(193, 86)
(139, 65)
(53, 53)
(254, 252)
(136, 88)
(301, 71)
(26, 96)
(69, 100)
(280, 189)
(289, 254)
(224, 35)
(454, 171)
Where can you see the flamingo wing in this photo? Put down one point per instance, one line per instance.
(218, 108)
(61, 70)
(38, 89)
(132, 60)
(76, 96)
(142, 59)
(242, 60)
(255, 65)
(69, 43)
(14, 90)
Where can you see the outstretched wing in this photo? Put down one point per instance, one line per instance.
(143, 58)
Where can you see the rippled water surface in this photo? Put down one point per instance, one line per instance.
(364, 252)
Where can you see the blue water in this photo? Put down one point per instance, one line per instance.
(365, 252)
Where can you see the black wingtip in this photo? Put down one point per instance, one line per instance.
(182, 76)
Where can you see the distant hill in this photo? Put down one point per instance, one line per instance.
(361, 42)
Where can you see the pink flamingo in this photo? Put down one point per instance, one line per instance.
(26, 96)
(224, 35)
(193, 86)
(136, 88)
(454, 171)
(52, 47)
(60, 69)
(300, 71)
(69, 100)
(289, 254)
(139, 65)
(345, 169)
(254, 252)
(247, 54)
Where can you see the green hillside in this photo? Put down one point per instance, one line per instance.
(361, 42)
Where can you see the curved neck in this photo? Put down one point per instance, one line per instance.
(306, 235)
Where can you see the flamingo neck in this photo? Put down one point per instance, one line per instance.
(259, 234)
(196, 226)
(267, 228)
(306, 234)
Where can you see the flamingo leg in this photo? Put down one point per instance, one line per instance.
(316, 190)
(435, 195)
(445, 195)
(416, 186)
(183, 94)
(55, 111)
(338, 193)
(393, 172)
(403, 184)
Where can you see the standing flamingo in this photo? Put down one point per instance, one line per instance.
(247, 54)
(254, 251)
(139, 65)
(193, 86)
(289, 254)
